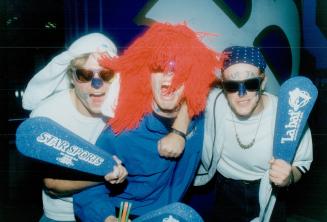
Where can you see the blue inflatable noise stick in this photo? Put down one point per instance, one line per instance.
(43, 139)
(296, 98)
(175, 212)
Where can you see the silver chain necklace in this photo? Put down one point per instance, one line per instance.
(249, 145)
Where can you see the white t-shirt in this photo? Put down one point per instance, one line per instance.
(247, 164)
(60, 108)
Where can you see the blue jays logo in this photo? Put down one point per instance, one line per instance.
(298, 98)
(170, 219)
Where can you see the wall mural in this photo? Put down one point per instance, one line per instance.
(314, 30)
(273, 25)
(270, 24)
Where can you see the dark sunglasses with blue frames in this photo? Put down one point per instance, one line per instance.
(251, 85)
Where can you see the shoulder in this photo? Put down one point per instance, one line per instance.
(197, 121)
(214, 92)
(271, 98)
(52, 104)
(217, 103)
(216, 95)
(105, 136)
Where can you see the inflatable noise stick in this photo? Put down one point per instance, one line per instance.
(43, 139)
(175, 212)
(296, 98)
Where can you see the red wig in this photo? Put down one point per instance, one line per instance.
(162, 44)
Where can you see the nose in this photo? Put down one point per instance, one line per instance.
(96, 83)
(241, 90)
(168, 76)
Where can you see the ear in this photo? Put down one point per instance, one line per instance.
(219, 74)
(72, 82)
(264, 82)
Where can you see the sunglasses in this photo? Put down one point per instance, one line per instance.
(250, 85)
(86, 75)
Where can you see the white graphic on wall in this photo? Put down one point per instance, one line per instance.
(207, 16)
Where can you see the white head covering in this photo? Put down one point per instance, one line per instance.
(53, 77)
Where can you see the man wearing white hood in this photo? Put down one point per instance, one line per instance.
(71, 90)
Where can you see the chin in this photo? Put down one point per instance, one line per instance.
(95, 110)
(168, 105)
(243, 112)
(168, 109)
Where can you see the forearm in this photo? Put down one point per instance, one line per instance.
(172, 145)
(303, 157)
(65, 187)
(182, 120)
(296, 174)
(93, 204)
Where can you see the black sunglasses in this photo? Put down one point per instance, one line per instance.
(250, 85)
(86, 75)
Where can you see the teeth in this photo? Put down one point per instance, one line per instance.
(166, 94)
(97, 94)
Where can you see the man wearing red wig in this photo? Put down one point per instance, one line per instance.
(164, 68)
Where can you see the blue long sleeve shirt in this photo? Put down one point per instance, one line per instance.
(152, 181)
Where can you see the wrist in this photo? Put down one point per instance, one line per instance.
(179, 133)
(291, 178)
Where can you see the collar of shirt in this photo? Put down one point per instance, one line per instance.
(162, 124)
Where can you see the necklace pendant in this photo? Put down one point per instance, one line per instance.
(244, 146)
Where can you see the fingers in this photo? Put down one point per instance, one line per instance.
(119, 173)
(171, 146)
(166, 151)
(279, 172)
(117, 160)
(111, 219)
(112, 176)
(122, 174)
(272, 160)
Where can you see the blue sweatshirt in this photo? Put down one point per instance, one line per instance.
(152, 181)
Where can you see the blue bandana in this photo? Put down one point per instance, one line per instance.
(242, 54)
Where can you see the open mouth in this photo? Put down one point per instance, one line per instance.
(99, 94)
(164, 89)
(244, 102)
(97, 97)
(166, 92)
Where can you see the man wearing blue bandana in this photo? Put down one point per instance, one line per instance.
(238, 141)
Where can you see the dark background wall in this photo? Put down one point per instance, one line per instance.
(33, 31)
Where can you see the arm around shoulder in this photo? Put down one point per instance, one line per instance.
(93, 204)
(172, 145)
(61, 187)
